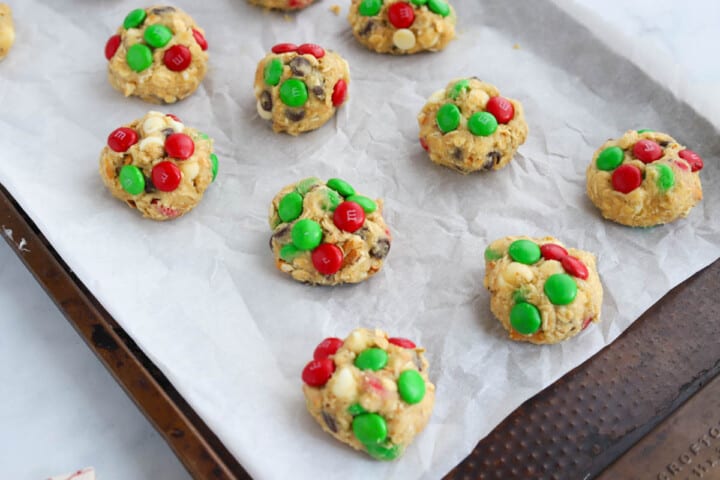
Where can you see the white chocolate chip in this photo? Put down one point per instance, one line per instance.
(148, 142)
(437, 97)
(517, 274)
(356, 342)
(550, 267)
(178, 127)
(190, 170)
(344, 385)
(264, 114)
(153, 124)
(404, 39)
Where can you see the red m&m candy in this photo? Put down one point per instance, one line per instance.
(402, 342)
(111, 46)
(339, 92)
(166, 176)
(401, 15)
(575, 267)
(177, 58)
(318, 372)
(174, 117)
(349, 216)
(327, 258)
(327, 347)
(696, 163)
(586, 323)
(552, 251)
(647, 151)
(626, 178)
(200, 39)
(180, 146)
(121, 139)
(284, 48)
(310, 48)
(424, 145)
(501, 108)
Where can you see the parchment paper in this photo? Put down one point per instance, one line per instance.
(200, 295)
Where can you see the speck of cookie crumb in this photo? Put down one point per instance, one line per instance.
(516, 46)
(335, 9)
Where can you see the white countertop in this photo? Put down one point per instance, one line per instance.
(61, 410)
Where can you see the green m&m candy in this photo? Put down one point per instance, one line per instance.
(132, 179)
(134, 18)
(370, 8)
(643, 130)
(356, 409)
(157, 35)
(289, 252)
(290, 207)
(139, 57)
(610, 158)
(524, 251)
(273, 71)
(367, 204)
(341, 186)
(448, 117)
(293, 92)
(459, 87)
(440, 7)
(560, 289)
(411, 386)
(525, 318)
(519, 296)
(666, 178)
(306, 234)
(372, 359)
(381, 452)
(418, 3)
(304, 185)
(369, 428)
(491, 254)
(482, 124)
(214, 164)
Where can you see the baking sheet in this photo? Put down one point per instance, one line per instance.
(201, 296)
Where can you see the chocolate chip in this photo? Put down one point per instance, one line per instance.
(492, 158)
(300, 66)
(329, 421)
(367, 28)
(161, 10)
(279, 234)
(664, 143)
(168, 131)
(132, 203)
(295, 115)
(149, 186)
(381, 249)
(418, 362)
(362, 233)
(319, 92)
(266, 101)
(458, 154)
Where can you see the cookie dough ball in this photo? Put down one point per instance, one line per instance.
(400, 28)
(540, 291)
(158, 165)
(370, 391)
(468, 126)
(644, 178)
(7, 30)
(326, 234)
(282, 4)
(298, 88)
(158, 54)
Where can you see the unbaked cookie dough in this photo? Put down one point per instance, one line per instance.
(644, 178)
(326, 234)
(299, 88)
(7, 30)
(468, 126)
(158, 165)
(399, 28)
(158, 54)
(540, 291)
(282, 4)
(370, 391)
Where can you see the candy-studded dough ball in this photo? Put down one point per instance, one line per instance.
(541, 291)
(158, 54)
(644, 178)
(158, 166)
(400, 28)
(325, 233)
(468, 126)
(282, 4)
(299, 88)
(7, 30)
(370, 391)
